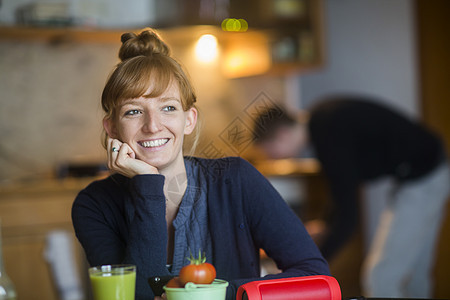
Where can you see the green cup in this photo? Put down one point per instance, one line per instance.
(113, 282)
(191, 291)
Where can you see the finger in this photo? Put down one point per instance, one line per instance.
(123, 159)
(108, 152)
(110, 144)
(116, 145)
(113, 149)
(122, 153)
(127, 150)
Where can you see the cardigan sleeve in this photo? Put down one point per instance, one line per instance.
(93, 221)
(278, 230)
(274, 227)
(116, 226)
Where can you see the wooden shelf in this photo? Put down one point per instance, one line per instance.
(38, 34)
(289, 167)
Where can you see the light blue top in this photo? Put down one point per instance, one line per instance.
(191, 223)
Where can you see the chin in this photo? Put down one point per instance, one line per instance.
(156, 162)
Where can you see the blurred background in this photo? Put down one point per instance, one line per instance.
(242, 56)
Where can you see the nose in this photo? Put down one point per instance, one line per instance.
(152, 122)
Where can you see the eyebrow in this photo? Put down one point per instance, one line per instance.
(166, 99)
(163, 99)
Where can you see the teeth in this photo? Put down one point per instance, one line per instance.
(154, 143)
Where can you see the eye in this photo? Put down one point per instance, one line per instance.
(132, 112)
(169, 108)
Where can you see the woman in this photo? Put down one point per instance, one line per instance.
(159, 205)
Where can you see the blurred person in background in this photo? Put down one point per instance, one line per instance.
(356, 140)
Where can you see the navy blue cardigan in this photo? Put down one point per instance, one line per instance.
(122, 220)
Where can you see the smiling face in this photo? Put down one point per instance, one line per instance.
(154, 127)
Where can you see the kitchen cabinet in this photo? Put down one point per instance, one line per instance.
(29, 213)
(294, 28)
(289, 32)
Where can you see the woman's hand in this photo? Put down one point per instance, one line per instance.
(122, 159)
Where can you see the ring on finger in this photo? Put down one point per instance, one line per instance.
(114, 149)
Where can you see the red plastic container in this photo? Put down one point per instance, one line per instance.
(318, 287)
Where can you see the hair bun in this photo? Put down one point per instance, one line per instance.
(146, 43)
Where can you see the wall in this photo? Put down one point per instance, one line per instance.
(50, 105)
(370, 49)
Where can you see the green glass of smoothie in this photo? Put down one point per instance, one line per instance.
(113, 282)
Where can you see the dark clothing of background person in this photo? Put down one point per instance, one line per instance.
(358, 141)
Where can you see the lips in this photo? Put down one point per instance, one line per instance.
(153, 143)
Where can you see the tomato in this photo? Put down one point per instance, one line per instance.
(174, 283)
(198, 271)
